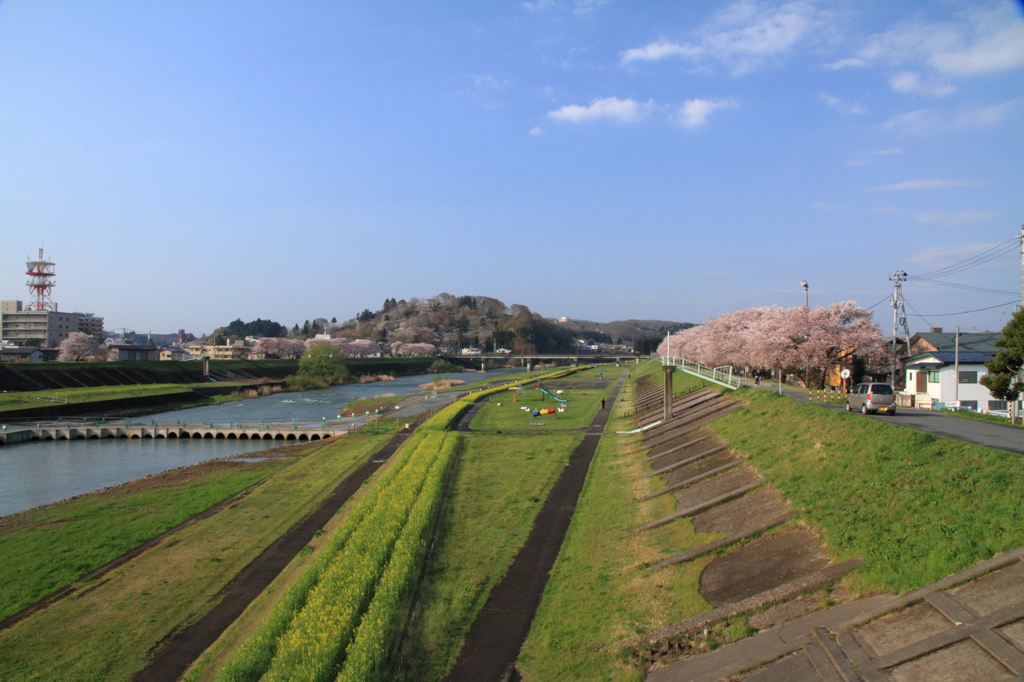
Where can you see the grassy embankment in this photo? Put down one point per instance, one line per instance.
(48, 547)
(916, 507)
(76, 396)
(105, 629)
(982, 417)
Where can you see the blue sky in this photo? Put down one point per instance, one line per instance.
(189, 163)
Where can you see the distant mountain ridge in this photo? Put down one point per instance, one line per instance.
(454, 322)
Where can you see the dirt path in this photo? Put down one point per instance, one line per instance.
(175, 655)
(494, 641)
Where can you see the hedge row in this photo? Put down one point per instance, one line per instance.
(307, 632)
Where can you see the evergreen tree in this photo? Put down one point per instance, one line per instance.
(1003, 377)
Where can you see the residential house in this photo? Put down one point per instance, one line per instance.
(132, 353)
(173, 353)
(944, 370)
(20, 354)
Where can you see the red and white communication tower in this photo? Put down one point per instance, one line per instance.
(40, 283)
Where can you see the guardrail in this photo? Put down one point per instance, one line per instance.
(722, 376)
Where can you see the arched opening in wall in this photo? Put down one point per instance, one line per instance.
(279, 437)
(220, 436)
(291, 436)
(315, 436)
(208, 435)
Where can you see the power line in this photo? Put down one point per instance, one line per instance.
(954, 285)
(977, 310)
(974, 261)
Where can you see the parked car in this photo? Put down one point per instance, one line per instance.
(872, 397)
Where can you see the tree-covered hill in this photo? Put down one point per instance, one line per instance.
(455, 322)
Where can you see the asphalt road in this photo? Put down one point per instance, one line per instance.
(1002, 436)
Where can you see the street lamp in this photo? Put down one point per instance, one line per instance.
(807, 304)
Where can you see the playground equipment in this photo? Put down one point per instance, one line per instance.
(561, 400)
(547, 410)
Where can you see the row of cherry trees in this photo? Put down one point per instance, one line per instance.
(349, 348)
(801, 341)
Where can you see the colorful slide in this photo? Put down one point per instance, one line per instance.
(561, 400)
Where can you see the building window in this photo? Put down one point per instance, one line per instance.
(933, 377)
(968, 377)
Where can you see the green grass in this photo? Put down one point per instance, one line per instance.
(916, 507)
(106, 629)
(981, 417)
(49, 547)
(601, 597)
(76, 396)
(500, 484)
(501, 414)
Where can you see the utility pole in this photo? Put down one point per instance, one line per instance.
(897, 306)
(807, 300)
(956, 369)
(1021, 238)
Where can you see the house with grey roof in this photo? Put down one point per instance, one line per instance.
(944, 370)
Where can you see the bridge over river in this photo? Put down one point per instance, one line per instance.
(285, 431)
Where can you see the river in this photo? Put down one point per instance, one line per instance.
(38, 473)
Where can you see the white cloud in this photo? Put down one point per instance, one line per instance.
(920, 121)
(941, 256)
(536, 130)
(998, 46)
(926, 184)
(743, 37)
(659, 50)
(910, 82)
(930, 120)
(694, 113)
(979, 41)
(981, 117)
(579, 8)
(947, 219)
(492, 83)
(626, 110)
(840, 105)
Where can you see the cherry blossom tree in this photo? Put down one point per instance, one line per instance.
(279, 348)
(80, 346)
(797, 340)
(416, 350)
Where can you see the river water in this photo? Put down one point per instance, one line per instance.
(37, 473)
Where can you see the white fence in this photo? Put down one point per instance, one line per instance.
(722, 376)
